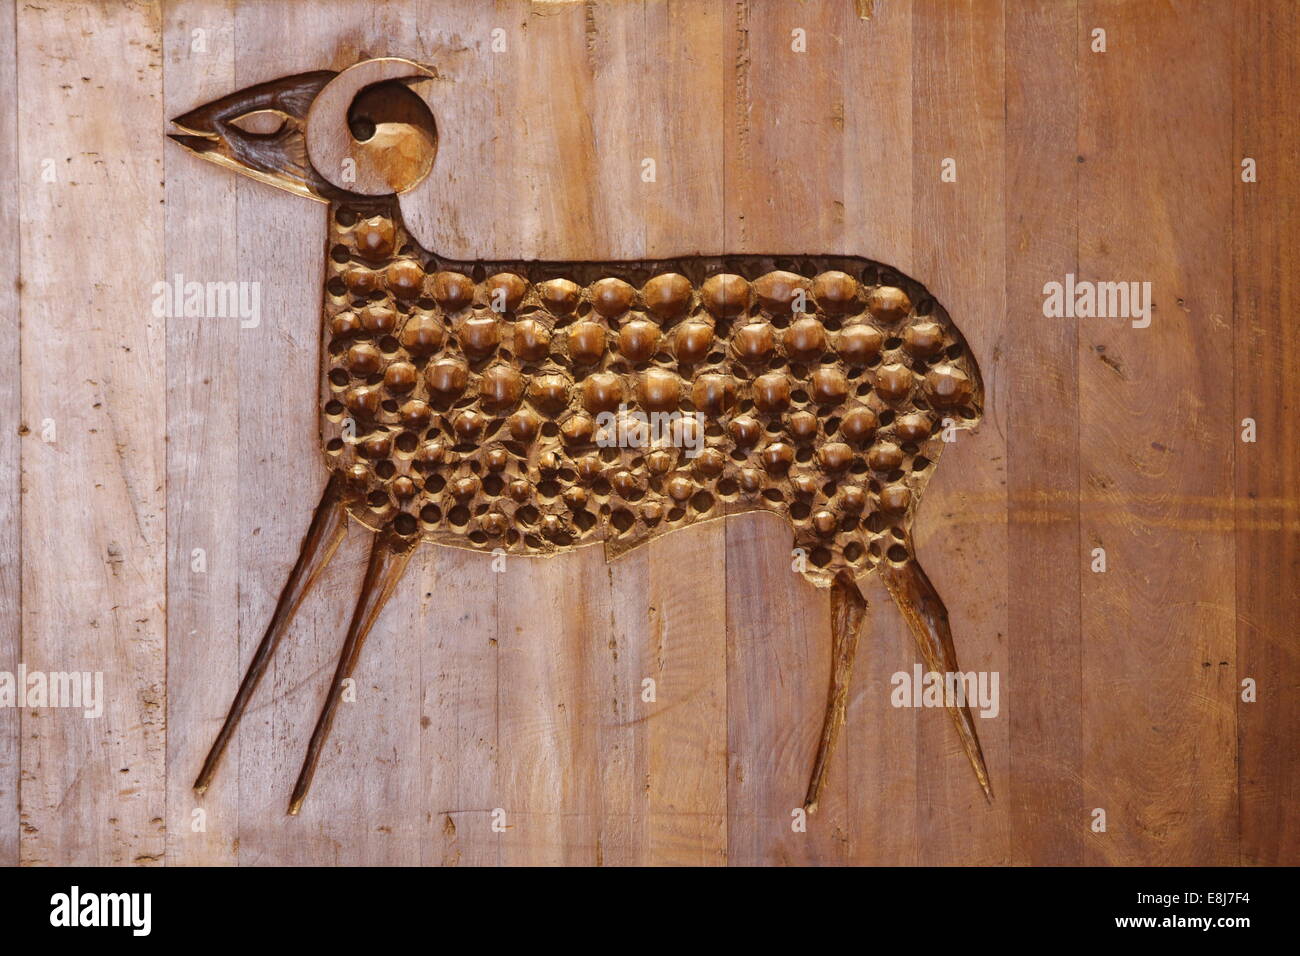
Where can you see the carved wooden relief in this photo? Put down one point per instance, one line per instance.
(536, 407)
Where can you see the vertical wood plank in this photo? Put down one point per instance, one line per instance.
(1045, 553)
(572, 193)
(460, 590)
(878, 741)
(203, 405)
(1157, 437)
(615, 45)
(573, 170)
(875, 94)
(93, 519)
(10, 445)
(778, 659)
(459, 719)
(1265, 236)
(958, 241)
(470, 203)
(278, 238)
(683, 618)
(784, 152)
(548, 768)
(366, 804)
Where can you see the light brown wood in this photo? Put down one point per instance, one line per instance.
(93, 510)
(522, 691)
(673, 748)
(10, 476)
(272, 521)
(203, 412)
(398, 151)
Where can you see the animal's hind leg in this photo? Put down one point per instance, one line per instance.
(328, 527)
(927, 618)
(848, 611)
(389, 554)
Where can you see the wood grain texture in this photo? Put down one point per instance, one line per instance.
(367, 814)
(677, 629)
(1265, 235)
(879, 745)
(501, 714)
(94, 510)
(1161, 617)
(775, 724)
(458, 595)
(10, 446)
(1043, 51)
(957, 237)
(202, 413)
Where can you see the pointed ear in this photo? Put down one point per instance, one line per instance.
(260, 132)
(368, 132)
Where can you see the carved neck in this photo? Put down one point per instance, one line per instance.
(365, 207)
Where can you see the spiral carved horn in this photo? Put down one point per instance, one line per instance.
(368, 133)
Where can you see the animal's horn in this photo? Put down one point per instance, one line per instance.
(368, 132)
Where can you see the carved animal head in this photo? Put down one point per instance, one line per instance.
(323, 135)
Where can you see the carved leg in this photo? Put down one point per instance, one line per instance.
(927, 618)
(388, 556)
(848, 611)
(328, 526)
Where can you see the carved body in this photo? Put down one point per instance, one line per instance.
(520, 405)
(494, 405)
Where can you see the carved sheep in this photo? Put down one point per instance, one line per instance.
(536, 407)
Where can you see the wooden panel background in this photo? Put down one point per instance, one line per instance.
(521, 691)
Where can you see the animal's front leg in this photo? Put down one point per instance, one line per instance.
(927, 618)
(328, 527)
(389, 554)
(848, 611)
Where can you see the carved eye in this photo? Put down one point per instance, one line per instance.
(261, 122)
